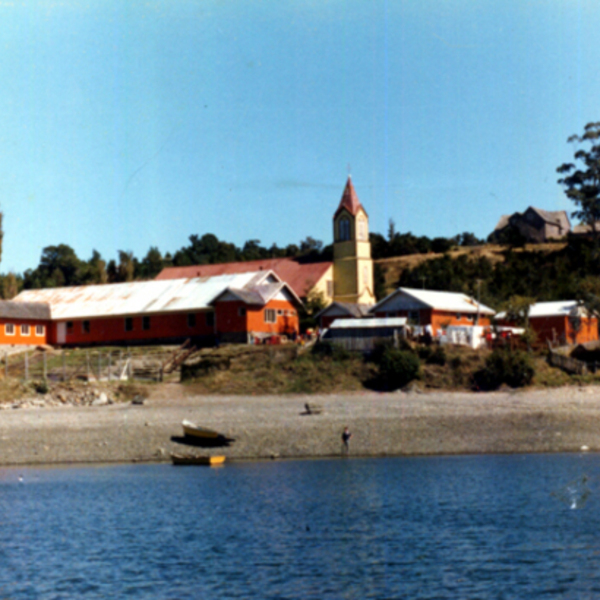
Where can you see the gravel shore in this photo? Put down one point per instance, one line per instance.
(558, 420)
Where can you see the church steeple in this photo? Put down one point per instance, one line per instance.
(352, 264)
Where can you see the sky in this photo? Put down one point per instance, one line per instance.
(126, 125)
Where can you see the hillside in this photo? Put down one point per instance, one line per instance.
(394, 266)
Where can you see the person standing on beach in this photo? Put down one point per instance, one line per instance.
(346, 435)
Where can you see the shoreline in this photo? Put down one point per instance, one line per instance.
(266, 427)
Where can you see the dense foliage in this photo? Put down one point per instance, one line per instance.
(505, 366)
(397, 367)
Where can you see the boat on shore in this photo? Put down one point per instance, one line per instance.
(190, 459)
(202, 435)
(192, 430)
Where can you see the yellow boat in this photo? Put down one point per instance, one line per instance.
(195, 431)
(190, 459)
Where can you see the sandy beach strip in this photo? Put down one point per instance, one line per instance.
(394, 424)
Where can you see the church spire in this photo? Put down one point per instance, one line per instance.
(349, 200)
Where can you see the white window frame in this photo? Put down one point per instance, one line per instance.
(9, 329)
(25, 330)
(40, 330)
(270, 315)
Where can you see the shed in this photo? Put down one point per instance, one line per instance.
(364, 334)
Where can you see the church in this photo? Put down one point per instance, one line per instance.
(346, 280)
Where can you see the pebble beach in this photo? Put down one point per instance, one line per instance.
(277, 427)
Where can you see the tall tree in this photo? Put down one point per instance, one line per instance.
(582, 179)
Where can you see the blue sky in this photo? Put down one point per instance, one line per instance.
(125, 125)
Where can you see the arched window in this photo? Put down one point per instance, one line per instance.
(344, 229)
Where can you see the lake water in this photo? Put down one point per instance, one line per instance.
(525, 526)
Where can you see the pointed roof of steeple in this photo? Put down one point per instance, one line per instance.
(349, 200)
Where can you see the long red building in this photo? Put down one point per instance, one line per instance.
(239, 307)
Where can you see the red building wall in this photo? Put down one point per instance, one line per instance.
(559, 329)
(33, 337)
(112, 329)
(236, 317)
(440, 319)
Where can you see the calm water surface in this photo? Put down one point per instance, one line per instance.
(457, 527)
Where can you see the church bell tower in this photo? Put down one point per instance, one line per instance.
(352, 263)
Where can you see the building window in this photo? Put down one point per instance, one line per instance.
(145, 323)
(192, 319)
(279, 312)
(458, 316)
(85, 326)
(330, 288)
(24, 329)
(366, 275)
(39, 330)
(344, 229)
(9, 329)
(210, 319)
(270, 316)
(413, 317)
(242, 311)
(128, 324)
(69, 326)
(362, 229)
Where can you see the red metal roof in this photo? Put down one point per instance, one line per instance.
(349, 200)
(301, 277)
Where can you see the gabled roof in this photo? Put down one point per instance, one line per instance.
(558, 308)
(369, 323)
(24, 310)
(503, 222)
(554, 217)
(142, 297)
(258, 295)
(301, 277)
(349, 200)
(445, 301)
(354, 310)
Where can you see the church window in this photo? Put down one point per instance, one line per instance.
(366, 275)
(329, 288)
(362, 229)
(344, 229)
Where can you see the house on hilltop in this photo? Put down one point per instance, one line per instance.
(534, 225)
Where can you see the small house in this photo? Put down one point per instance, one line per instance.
(561, 322)
(364, 334)
(433, 310)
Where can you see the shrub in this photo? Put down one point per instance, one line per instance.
(397, 368)
(504, 366)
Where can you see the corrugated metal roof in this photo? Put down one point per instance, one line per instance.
(356, 310)
(447, 301)
(24, 310)
(368, 323)
(559, 308)
(139, 297)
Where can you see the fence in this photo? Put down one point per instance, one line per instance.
(87, 365)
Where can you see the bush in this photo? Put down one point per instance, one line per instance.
(397, 368)
(504, 366)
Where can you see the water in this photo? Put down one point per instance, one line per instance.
(456, 527)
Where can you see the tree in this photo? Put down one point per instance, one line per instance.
(126, 268)
(582, 183)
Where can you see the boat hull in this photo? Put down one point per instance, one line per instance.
(189, 460)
